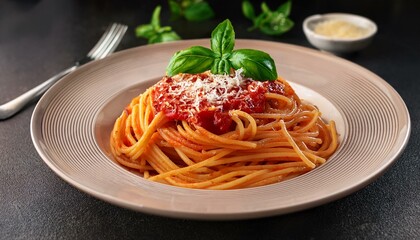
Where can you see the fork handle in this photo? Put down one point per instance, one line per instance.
(15, 105)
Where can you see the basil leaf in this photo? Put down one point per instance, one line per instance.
(256, 64)
(222, 58)
(221, 66)
(198, 12)
(265, 8)
(223, 38)
(285, 8)
(145, 30)
(164, 37)
(154, 39)
(277, 24)
(248, 10)
(195, 59)
(175, 8)
(273, 22)
(169, 36)
(258, 21)
(155, 21)
(164, 29)
(287, 25)
(154, 32)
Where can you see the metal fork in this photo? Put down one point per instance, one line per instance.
(106, 45)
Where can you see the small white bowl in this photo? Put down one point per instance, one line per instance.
(339, 45)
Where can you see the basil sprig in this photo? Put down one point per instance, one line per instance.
(270, 22)
(221, 57)
(191, 10)
(154, 32)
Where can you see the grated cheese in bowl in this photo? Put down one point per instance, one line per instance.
(339, 33)
(340, 29)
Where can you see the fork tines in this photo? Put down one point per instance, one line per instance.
(109, 41)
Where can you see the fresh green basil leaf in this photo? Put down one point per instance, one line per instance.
(145, 31)
(259, 21)
(221, 58)
(223, 38)
(248, 10)
(221, 66)
(198, 12)
(155, 21)
(273, 22)
(175, 8)
(265, 8)
(164, 37)
(256, 64)
(154, 32)
(285, 8)
(164, 29)
(170, 36)
(288, 24)
(277, 24)
(195, 59)
(285, 25)
(154, 39)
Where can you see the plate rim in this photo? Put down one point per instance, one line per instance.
(40, 110)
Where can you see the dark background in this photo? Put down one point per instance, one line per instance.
(40, 38)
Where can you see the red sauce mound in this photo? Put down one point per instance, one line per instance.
(206, 99)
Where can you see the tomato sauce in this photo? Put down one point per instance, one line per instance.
(199, 99)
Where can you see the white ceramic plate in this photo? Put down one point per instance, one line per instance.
(71, 125)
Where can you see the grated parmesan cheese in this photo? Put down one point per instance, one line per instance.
(213, 88)
(340, 29)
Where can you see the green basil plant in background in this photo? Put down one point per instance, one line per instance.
(192, 10)
(221, 57)
(268, 21)
(154, 32)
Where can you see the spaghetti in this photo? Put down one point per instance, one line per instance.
(212, 131)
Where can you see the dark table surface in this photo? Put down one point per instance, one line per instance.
(38, 38)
